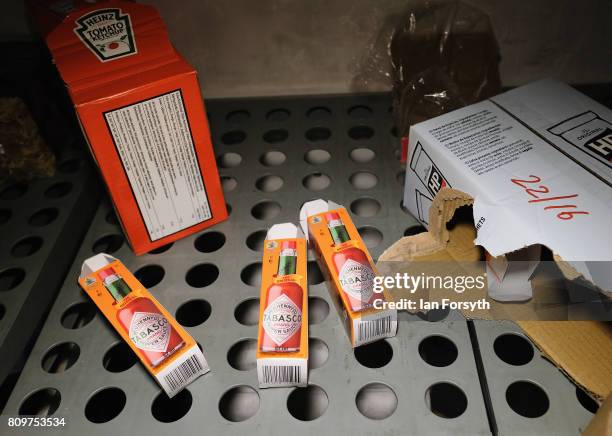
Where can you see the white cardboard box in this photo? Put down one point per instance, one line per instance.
(537, 162)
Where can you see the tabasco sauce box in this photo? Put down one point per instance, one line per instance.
(165, 349)
(349, 272)
(536, 162)
(282, 344)
(139, 105)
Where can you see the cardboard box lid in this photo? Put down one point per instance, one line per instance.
(109, 41)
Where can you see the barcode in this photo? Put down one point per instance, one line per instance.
(277, 374)
(372, 329)
(183, 373)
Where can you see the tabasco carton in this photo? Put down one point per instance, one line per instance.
(165, 349)
(349, 272)
(139, 105)
(282, 344)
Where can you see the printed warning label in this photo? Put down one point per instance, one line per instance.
(156, 148)
(483, 140)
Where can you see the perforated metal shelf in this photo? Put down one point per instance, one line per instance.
(42, 223)
(273, 155)
(529, 396)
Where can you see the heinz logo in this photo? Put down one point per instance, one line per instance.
(107, 33)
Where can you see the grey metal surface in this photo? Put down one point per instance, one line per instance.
(379, 389)
(41, 224)
(522, 409)
(339, 374)
(275, 47)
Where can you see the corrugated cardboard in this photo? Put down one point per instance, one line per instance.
(582, 350)
(601, 423)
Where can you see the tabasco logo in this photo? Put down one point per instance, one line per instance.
(281, 319)
(150, 331)
(107, 33)
(357, 280)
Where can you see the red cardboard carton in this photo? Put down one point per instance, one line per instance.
(140, 108)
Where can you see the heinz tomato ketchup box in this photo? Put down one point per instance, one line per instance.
(282, 344)
(139, 105)
(537, 164)
(165, 349)
(349, 272)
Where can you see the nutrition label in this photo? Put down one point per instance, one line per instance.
(156, 148)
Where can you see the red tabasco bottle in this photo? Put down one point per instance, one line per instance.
(282, 319)
(352, 266)
(148, 328)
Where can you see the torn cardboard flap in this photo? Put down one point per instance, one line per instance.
(437, 238)
(581, 349)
